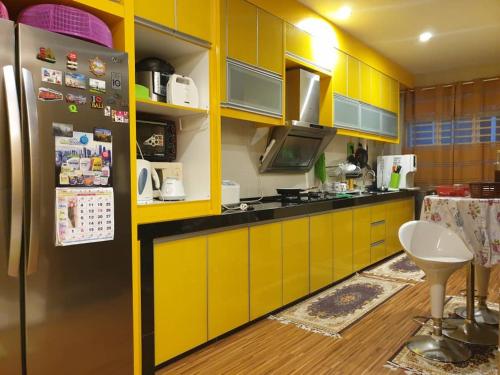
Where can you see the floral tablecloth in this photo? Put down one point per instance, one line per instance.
(477, 221)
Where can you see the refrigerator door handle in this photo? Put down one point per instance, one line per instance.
(34, 170)
(16, 170)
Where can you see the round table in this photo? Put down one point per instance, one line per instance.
(477, 222)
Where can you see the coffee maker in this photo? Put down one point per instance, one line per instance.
(170, 187)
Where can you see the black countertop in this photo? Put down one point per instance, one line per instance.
(261, 212)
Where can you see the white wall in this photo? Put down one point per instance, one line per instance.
(243, 144)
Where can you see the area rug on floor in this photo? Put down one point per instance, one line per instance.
(483, 362)
(338, 307)
(398, 268)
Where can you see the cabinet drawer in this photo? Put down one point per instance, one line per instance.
(378, 213)
(377, 232)
(377, 251)
(251, 89)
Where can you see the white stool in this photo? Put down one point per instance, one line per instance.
(438, 252)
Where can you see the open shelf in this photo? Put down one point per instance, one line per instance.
(166, 109)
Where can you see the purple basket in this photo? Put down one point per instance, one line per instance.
(68, 21)
(3, 11)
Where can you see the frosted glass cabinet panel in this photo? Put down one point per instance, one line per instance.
(346, 112)
(389, 124)
(254, 90)
(370, 118)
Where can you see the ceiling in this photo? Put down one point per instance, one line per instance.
(466, 32)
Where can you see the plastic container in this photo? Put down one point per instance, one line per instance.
(67, 20)
(3, 11)
(394, 182)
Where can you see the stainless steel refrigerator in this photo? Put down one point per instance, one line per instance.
(63, 309)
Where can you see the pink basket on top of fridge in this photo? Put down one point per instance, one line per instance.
(3, 11)
(67, 20)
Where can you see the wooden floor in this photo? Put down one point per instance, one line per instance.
(269, 347)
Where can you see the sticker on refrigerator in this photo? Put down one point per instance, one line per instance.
(120, 116)
(46, 54)
(48, 95)
(76, 99)
(107, 111)
(96, 102)
(83, 159)
(73, 108)
(76, 80)
(52, 76)
(62, 130)
(116, 81)
(102, 135)
(97, 66)
(84, 215)
(97, 85)
(72, 61)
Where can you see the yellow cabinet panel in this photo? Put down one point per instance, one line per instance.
(265, 269)
(227, 281)
(394, 107)
(342, 244)
(386, 93)
(295, 259)
(377, 252)
(361, 237)
(378, 231)
(353, 77)
(321, 251)
(392, 224)
(161, 12)
(242, 31)
(408, 209)
(376, 78)
(299, 42)
(180, 296)
(194, 17)
(340, 73)
(270, 42)
(366, 83)
(377, 212)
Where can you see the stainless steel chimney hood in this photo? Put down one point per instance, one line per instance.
(296, 146)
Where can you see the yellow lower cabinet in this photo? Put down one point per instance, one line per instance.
(378, 231)
(180, 296)
(227, 281)
(392, 224)
(266, 278)
(377, 251)
(378, 212)
(408, 209)
(342, 244)
(361, 237)
(295, 259)
(321, 251)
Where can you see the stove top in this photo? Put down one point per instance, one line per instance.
(304, 197)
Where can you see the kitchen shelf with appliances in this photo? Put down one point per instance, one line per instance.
(195, 132)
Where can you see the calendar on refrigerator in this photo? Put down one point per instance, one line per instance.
(84, 215)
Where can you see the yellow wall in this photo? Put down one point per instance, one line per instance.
(298, 14)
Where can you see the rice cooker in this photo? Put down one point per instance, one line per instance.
(154, 73)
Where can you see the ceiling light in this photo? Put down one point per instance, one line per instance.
(343, 13)
(424, 37)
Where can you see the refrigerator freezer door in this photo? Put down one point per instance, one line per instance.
(10, 327)
(78, 302)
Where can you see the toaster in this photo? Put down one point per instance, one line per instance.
(181, 90)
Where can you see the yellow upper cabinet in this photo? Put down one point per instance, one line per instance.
(270, 42)
(376, 78)
(366, 83)
(340, 73)
(161, 12)
(353, 80)
(299, 43)
(295, 259)
(394, 107)
(191, 17)
(242, 31)
(227, 281)
(385, 92)
(194, 18)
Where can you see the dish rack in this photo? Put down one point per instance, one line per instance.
(485, 189)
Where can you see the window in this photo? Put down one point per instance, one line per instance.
(489, 129)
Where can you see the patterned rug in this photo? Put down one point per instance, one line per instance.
(335, 309)
(483, 362)
(398, 268)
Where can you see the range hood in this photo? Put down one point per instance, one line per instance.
(296, 146)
